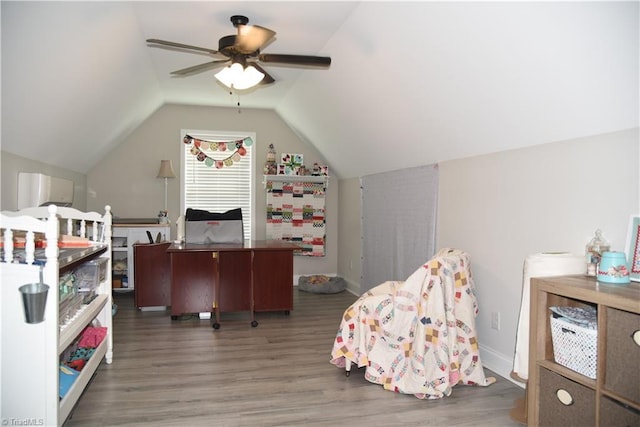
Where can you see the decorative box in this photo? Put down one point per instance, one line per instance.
(290, 164)
(291, 159)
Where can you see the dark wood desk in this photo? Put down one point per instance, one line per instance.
(255, 276)
(152, 275)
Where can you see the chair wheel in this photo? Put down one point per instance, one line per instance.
(215, 325)
(254, 323)
(174, 317)
(347, 373)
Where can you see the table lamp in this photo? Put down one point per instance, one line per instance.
(166, 172)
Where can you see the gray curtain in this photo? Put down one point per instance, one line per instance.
(398, 223)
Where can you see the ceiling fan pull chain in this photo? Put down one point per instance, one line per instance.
(237, 102)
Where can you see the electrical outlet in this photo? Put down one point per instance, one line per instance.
(495, 320)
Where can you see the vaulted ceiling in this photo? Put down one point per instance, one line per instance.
(411, 83)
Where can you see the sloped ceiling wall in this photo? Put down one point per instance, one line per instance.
(426, 82)
(75, 80)
(411, 83)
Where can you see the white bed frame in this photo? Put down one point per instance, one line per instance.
(30, 353)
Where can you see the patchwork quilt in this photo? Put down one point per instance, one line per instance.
(418, 336)
(296, 213)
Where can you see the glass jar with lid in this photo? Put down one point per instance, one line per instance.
(593, 252)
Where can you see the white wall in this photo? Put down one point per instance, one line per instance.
(505, 206)
(126, 177)
(502, 207)
(12, 164)
(349, 233)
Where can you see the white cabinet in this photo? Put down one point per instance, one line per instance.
(31, 353)
(124, 237)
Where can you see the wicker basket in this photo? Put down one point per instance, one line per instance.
(575, 347)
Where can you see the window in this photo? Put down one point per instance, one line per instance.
(399, 233)
(218, 173)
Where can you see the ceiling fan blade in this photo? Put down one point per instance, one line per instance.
(182, 46)
(250, 38)
(199, 68)
(323, 61)
(267, 79)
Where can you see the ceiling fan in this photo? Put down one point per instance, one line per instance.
(242, 53)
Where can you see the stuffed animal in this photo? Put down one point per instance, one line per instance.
(120, 265)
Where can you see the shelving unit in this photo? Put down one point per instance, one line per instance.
(560, 396)
(124, 237)
(31, 353)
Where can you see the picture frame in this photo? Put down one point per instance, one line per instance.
(633, 248)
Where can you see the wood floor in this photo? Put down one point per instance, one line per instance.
(184, 373)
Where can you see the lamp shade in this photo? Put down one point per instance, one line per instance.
(237, 77)
(166, 170)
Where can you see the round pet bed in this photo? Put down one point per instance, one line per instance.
(320, 284)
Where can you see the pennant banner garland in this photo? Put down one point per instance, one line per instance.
(198, 147)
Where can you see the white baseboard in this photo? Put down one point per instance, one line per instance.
(154, 308)
(498, 363)
(353, 287)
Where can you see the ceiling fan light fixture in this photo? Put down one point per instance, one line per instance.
(237, 77)
(237, 49)
(227, 76)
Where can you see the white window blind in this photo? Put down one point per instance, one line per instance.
(399, 223)
(219, 189)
